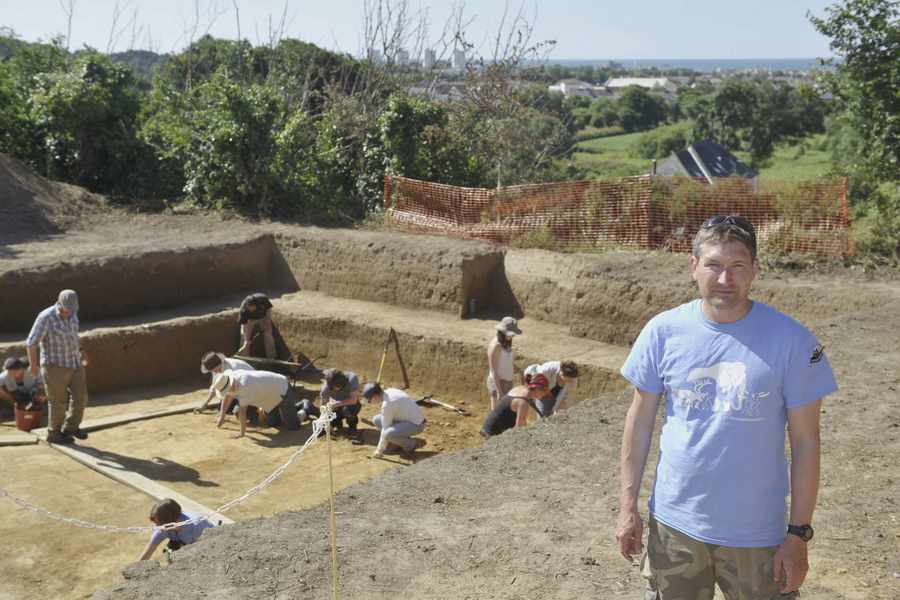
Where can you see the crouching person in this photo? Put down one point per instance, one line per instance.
(19, 388)
(168, 511)
(512, 410)
(341, 392)
(265, 390)
(399, 420)
(562, 376)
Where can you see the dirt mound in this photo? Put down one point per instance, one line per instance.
(32, 205)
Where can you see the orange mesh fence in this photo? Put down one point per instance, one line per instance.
(632, 212)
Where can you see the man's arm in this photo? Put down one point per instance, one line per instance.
(803, 432)
(34, 363)
(639, 423)
(561, 399)
(387, 419)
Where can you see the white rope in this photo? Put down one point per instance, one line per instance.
(318, 426)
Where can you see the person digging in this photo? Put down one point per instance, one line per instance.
(399, 420)
(340, 390)
(512, 410)
(215, 363)
(19, 388)
(267, 391)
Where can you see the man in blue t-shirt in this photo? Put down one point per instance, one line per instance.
(733, 373)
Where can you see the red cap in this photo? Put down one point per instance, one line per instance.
(538, 382)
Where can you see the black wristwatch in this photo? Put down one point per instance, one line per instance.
(804, 532)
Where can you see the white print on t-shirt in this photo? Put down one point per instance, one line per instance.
(730, 394)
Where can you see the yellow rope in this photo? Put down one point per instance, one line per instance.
(334, 580)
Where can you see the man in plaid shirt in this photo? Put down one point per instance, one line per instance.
(62, 365)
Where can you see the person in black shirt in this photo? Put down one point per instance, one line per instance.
(255, 317)
(513, 408)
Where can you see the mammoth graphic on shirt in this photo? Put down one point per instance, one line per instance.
(720, 388)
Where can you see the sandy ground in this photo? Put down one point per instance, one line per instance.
(183, 452)
(47, 559)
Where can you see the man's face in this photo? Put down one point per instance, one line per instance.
(17, 374)
(64, 312)
(724, 272)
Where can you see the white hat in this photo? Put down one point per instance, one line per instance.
(68, 299)
(221, 382)
(208, 358)
(509, 326)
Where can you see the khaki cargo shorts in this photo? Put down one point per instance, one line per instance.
(678, 567)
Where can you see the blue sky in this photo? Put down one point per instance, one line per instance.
(582, 28)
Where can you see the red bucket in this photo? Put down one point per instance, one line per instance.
(26, 420)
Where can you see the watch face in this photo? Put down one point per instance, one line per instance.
(804, 532)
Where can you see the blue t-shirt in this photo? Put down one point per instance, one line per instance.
(722, 472)
(186, 534)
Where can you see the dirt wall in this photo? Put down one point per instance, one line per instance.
(130, 357)
(452, 370)
(609, 297)
(132, 283)
(416, 271)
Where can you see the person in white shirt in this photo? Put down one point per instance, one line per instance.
(214, 363)
(399, 420)
(267, 391)
(501, 359)
(562, 375)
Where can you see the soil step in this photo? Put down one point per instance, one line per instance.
(130, 281)
(152, 348)
(442, 354)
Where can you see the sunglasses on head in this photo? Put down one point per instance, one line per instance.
(733, 220)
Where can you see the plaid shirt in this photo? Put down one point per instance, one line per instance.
(58, 338)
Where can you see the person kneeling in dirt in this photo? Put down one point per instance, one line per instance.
(268, 391)
(168, 511)
(512, 410)
(215, 363)
(399, 420)
(341, 392)
(562, 376)
(19, 387)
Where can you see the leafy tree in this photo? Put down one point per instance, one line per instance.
(866, 35)
(86, 118)
(638, 109)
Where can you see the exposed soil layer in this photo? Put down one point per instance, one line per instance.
(416, 271)
(608, 297)
(442, 355)
(129, 356)
(131, 283)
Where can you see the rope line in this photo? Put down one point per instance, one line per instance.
(318, 425)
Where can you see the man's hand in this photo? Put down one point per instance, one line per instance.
(629, 533)
(791, 565)
(85, 361)
(219, 420)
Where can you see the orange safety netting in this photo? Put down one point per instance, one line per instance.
(633, 212)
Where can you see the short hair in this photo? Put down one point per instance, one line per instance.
(372, 390)
(336, 380)
(731, 228)
(165, 511)
(211, 361)
(569, 369)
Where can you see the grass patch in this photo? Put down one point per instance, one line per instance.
(799, 161)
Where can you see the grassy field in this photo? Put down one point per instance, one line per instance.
(796, 162)
(615, 157)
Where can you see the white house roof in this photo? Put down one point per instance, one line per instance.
(644, 82)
